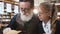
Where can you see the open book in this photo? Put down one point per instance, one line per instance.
(13, 32)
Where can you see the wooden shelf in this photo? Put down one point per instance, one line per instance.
(57, 9)
(6, 17)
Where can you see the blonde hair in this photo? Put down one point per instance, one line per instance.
(49, 7)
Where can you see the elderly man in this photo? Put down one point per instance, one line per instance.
(26, 21)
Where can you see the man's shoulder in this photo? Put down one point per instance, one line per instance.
(16, 15)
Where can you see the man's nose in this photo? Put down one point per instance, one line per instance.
(23, 9)
(24, 13)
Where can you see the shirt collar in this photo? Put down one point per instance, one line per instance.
(48, 23)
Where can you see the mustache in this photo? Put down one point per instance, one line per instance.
(24, 13)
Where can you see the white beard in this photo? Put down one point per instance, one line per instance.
(25, 18)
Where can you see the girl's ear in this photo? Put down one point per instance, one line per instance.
(49, 13)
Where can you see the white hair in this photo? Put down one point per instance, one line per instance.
(26, 18)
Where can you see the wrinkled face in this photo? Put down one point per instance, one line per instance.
(25, 8)
(43, 14)
(26, 11)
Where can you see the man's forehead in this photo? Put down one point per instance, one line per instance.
(24, 4)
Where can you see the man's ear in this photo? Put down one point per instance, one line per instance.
(32, 8)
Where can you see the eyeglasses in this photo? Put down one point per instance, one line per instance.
(39, 14)
(44, 13)
(25, 10)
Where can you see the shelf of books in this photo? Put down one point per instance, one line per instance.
(8, 8)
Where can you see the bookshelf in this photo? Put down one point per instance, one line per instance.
(9, 8)
(57, 7)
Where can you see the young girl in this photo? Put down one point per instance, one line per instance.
(48, 25)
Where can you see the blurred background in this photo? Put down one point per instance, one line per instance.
(9, 8)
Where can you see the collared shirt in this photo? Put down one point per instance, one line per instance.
(47, 27)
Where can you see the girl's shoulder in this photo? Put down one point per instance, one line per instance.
(57, 21)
